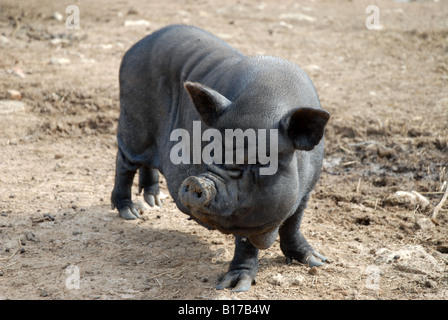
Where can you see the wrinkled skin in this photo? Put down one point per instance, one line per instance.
(182, 74)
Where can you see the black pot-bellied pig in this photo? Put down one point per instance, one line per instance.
(238, 139)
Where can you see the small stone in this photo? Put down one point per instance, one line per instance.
(44, 293)
(31, 236)
(278, 280)
(137, 23)
(13, 94)
(57, 16)
(313, 67)
(59, 61)
(132, 11)
(59, 41)
(296, 17)
(141, 206)
(423, 224)
(297, 281)
(22, 250)
(49, 216)
(313, 271)
(17, 72)
(4, 39)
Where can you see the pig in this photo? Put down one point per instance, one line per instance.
(181, 75)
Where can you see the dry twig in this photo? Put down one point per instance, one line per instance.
(438, 207)
(11, 256)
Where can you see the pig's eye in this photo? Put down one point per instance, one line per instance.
(255, 172)
(231, 170)
(234, 171)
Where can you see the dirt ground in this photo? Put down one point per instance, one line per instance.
(386, 89)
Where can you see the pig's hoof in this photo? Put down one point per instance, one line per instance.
(315, 259)
(129, 213)
(153, 199)
(239, 280)
(311, 259)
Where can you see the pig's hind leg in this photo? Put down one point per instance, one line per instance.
(121, 195)
(292, 242)
(149, 183)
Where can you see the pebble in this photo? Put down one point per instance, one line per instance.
(278, 280)
(141, 206)
(313, 67)
(13, 94)
(313, 271)
(17, 72)
(132, 11)
(413, 198)
(296, 17)
(59, 41)
(59, 61)
(4, 39)
(137, 23)
(423, 223)
(44, 293)
(57, 16)
(49, 216)
(31, 236)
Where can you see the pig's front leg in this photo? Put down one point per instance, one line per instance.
(294, 245)
(243, 267)
(149, 183)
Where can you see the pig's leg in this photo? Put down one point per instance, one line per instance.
(121, 195)
(293, 243)
(149, 183)
(243, 267)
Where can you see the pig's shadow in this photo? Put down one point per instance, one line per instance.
(144, 250)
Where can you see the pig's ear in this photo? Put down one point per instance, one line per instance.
(209, 103)
(305, 127)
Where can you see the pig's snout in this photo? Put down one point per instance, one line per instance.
(197, 192)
